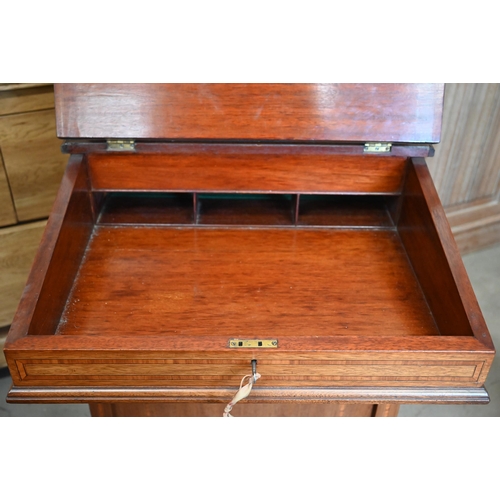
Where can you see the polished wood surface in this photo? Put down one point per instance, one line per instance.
(18, 245)
(291, 112)
(227, 373)
(220, 172)
(433, 272)
(58, 256)
(82, 146)
(287, 395)
(294, 348)
(455, 311)
(386, 410)
(33, 161)
(77, 225)
(242, 410)
(258, 282)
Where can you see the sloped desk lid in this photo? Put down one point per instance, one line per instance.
(401, 113)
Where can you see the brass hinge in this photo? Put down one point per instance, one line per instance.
(377, 147)
(120, 145)
(253, 343)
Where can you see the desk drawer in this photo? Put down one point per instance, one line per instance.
(135, 296)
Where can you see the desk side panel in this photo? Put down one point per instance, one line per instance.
(433, 253)
(58, 257)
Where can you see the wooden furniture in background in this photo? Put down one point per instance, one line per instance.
(31, 168)
(146, 280)
(466, 166)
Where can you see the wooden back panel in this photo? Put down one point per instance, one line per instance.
(275, 112)
(253, 173)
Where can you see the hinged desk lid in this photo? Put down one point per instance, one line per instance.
(404, 113)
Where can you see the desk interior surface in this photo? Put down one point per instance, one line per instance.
(257, 282)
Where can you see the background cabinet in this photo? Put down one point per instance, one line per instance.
(31, 168)
(466, 167)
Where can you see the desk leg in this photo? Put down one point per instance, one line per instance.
(241, 410)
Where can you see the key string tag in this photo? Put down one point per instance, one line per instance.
(244, 390)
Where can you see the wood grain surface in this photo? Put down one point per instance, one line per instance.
(260, 282)
(466, 166)
(241, 410)
(73, 205)
(33, 161)
(18, 245)
(296, 112)
(7, 212)
(317, 372)
(385, 410)
(475, 225)
(47, 273)
(308, 395)
(303, 347)
(428, 239)
(220, 172)
(24, 98)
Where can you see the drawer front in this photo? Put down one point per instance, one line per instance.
(187, 371)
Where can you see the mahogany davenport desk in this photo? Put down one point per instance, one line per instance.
(200, 227)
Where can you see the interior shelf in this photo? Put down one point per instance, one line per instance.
(219, 209)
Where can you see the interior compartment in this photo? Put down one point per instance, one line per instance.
(146, 208)
(296, 264)
(145, 290)
(247, 209)
(244, 209)
(198, 263)
(264, 282)
(344, 211)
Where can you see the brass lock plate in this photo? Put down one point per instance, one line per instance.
(253, 343)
